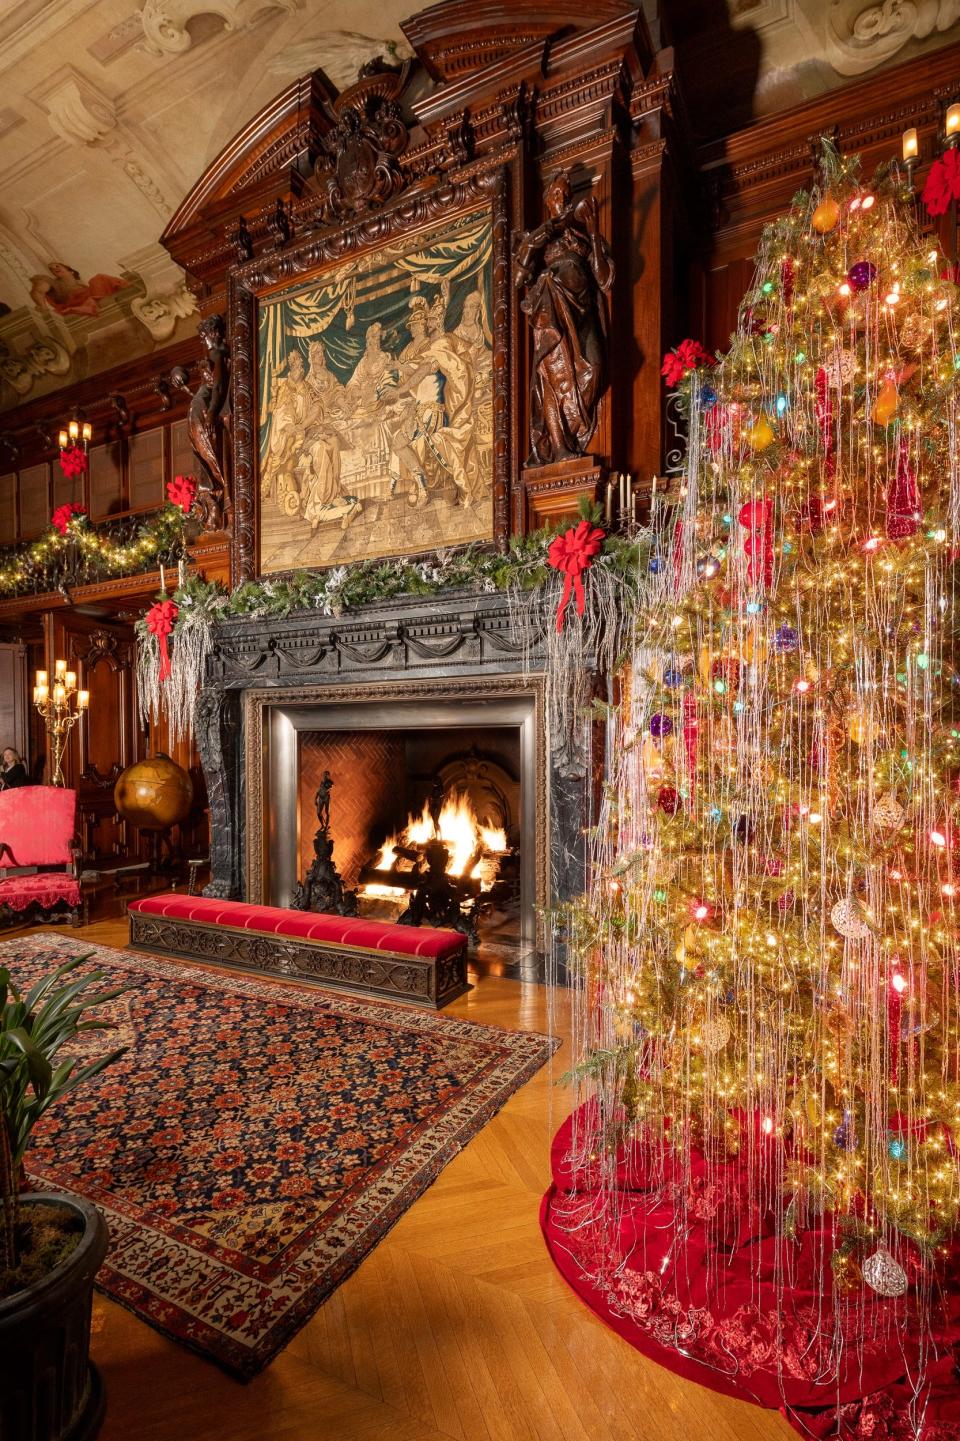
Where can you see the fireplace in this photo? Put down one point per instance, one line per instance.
(424, 763)
(390, 700)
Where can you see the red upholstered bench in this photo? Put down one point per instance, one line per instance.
(408, 963)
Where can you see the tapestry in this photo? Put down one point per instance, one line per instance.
(256, 1140)
(376, 403)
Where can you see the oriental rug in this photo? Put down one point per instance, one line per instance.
(256, 1141)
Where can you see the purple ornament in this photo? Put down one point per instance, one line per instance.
(786, 639)
(660, 725)
(861, 273)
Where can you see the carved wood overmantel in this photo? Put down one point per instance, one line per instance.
(496, 101)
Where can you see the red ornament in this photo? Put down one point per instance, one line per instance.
(687, 356)
(757, 517)
(668, 799)
(74, 461)
(161, 619)
(572, 553)
(726, 668)
(182, 491)
(943, 183)
(63, 515)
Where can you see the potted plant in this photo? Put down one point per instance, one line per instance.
(51, 1246)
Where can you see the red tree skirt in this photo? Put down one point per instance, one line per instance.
(708, 1291)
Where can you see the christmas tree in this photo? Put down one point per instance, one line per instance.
(770, 944)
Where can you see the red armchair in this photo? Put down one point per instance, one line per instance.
(39, 854)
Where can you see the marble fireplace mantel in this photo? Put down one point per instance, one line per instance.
(454, 644)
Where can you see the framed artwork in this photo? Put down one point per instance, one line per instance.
(375, 426)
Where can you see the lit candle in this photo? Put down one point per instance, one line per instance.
(74, 429)
(59, 695)
(83, 699)
(911, 145)
(42, 692)
(87, 430)
(952, 121)
(62, 439)
(41, 678)
(60, 668)
(36, 694)
(70, 680)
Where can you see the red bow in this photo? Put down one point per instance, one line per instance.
(943, 183)
(573, 553)
(903, 498)
(160, 621)
(182, 491)
(73, 461)
(63, 515)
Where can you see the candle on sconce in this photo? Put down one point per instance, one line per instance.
(83, 699)
(60, 669)
(59, 694)
(36, 695)
(70, 680)
(74, 429)
(911, 144)
(87, 432)
(62, 439)
(41, 680)
(951, 124)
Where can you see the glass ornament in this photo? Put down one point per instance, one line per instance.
(888, 813)
(826, 215)
(861, 274)
(849, 919)
(661, 725)
(716, 1033)
(786, 639)
(884, 1275)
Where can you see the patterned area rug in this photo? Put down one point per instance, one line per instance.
(256, 1141)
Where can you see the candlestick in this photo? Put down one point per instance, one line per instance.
(60, 710)
(911, 145)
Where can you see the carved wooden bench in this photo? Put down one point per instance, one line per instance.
(406, 963)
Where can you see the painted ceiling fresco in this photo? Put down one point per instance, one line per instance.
(108, 115)
(110, 110)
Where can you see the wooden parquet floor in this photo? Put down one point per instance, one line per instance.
(456, 1325)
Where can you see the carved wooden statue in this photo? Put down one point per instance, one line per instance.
(205, 420)
(564, 269)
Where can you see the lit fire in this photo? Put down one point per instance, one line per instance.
(460, 831)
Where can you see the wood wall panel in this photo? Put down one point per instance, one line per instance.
(14, 698)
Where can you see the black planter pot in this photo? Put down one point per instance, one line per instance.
(49, 1391)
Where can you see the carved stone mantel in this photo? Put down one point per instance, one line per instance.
(460, 637)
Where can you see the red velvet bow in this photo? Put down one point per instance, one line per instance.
(74, 461)
(182, 491)
(943, 183)
(63, 515)
(903, 498)
(160, 621)
(573, 553)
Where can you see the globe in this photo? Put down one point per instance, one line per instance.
(154, 794)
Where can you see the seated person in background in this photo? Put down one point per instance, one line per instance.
(13, 772)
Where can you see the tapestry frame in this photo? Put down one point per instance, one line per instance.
(290, 269)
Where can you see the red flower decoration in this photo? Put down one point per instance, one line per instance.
(161, 619)
(63, 515)
(572, 553)
(943, 183)
(689, 355)
(74, 461)
(182, 491)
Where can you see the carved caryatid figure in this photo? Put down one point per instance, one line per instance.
(564, 269)
(208, 404)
